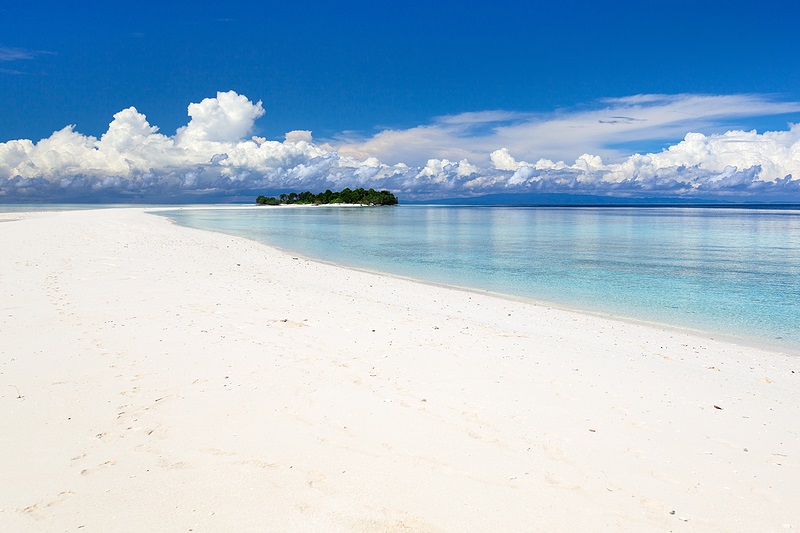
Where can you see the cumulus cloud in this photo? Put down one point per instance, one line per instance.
(228, 117)
(216, 155)
(502, 160)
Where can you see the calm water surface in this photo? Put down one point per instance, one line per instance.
(730, 271)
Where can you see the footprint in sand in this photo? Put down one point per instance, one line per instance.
(639, 454)
(556, 482)
(257, 463)
(316, 481)
(653, 508)
(664, 476)
(167, 465)
(158, 432)
(92, 471)
(38, 511)
(555, 454)
(217, 451)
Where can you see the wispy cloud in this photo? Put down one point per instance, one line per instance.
(9, 54)
(17, 54)
(567, 134)
(459, 155)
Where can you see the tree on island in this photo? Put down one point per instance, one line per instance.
(345, 196)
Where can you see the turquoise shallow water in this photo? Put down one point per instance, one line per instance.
(729, 271)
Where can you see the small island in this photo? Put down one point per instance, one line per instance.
(345, 196)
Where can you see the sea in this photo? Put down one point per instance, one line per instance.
(733, 272)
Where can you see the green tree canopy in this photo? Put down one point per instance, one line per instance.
(345, 196)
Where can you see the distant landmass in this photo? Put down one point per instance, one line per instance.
(575, 200)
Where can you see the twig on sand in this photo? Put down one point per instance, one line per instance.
(19, 396)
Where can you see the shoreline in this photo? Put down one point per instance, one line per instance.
(746, 341)
(162, 377)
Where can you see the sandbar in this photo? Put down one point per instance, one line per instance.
(160, 378)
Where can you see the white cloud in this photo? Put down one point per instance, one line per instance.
(228, 117)
(15, 54)
(9, 54)
(565, 135)
(438, 169)
(467, 154)
(503, 160)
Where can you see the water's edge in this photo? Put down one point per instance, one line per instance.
(742, 340)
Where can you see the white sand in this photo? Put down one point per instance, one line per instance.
(176, 380)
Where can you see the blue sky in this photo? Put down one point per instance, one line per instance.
(426, 98)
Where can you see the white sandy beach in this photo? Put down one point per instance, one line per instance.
(159, 378)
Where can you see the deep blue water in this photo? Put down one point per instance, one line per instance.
(730, 271)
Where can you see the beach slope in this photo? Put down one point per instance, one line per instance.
(154, 377)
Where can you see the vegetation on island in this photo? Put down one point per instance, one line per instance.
(345, 196)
